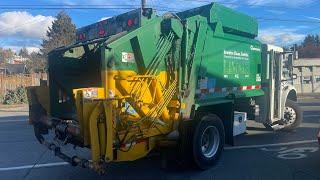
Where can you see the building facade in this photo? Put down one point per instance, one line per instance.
(308, 75)
(17, 60)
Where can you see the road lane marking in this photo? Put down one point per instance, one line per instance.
(271, 145)
(292, 153)
(31, 166)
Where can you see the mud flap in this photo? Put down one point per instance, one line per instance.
(36, 113)
(228, 122)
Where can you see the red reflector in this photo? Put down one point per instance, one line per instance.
(82, 36)
(102, 32)
(130, 22)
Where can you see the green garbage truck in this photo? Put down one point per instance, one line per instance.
(138, 82)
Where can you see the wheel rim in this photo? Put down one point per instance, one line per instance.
(210, 141)
(290, 115)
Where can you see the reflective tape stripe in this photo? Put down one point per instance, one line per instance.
(243, 88)
(227, 89)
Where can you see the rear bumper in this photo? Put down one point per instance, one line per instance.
(41, 129)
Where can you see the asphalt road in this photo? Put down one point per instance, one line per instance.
(259, 154)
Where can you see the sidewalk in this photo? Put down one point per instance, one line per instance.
(20, 110)
(309, 96)
(14, 108)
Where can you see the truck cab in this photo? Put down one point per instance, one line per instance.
(278, 106)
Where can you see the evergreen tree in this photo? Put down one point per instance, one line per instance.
(308, 41)
(23, 52)
(62, 33)
(310, 47)
(317, 40)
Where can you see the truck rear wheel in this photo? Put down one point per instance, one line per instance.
(208, 141)
(292, 115)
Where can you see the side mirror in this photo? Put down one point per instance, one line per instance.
(294, 76)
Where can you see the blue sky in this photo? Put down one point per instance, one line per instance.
(23, 27)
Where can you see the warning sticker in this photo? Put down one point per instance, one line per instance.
(128, 57)
(258, 78)
(129, 109)
(90, 93)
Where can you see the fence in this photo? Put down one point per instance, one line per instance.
(11, 82)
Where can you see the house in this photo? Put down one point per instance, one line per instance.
(308, 75)
(12, 69)
(17, 60)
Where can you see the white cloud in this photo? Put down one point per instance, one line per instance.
(33, 49)
(280, 36)
(24, 24)
(313, 18)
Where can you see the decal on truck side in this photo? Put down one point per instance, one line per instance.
(255, 49)
(128, 57)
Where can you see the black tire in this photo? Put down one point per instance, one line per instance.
(205, 125)
(293, 105)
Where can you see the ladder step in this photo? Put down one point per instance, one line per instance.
(277, 127)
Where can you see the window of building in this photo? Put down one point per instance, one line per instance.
(306, 79)
(317, 78)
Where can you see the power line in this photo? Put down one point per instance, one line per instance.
(127, 7)
(54, 8)
(79, 7)
(124, 6)
(41, 5)
(247, 5)
(75, 6)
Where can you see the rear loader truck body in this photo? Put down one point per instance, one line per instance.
(138, 81)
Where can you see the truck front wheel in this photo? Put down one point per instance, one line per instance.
(208, 141)
(292, 115)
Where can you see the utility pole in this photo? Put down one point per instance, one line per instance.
(143, 4)
(144, 8)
